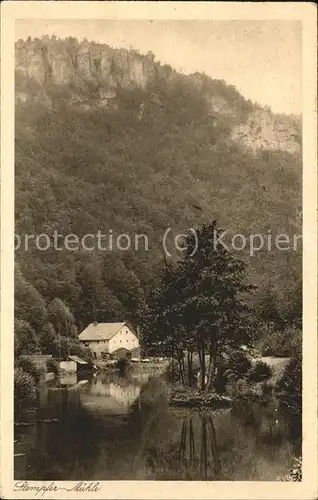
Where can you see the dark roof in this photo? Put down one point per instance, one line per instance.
(76, 359)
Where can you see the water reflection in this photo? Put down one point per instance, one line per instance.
(68, 379)
(110, 395)
(122, 428)
(194, 456)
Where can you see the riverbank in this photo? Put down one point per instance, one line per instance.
(188, 397)
(137, 366)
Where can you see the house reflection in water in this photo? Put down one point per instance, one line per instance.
(110, 397)
(68, 379)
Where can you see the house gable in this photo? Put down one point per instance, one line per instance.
(125, 338)
(100, 331)
(107, 338)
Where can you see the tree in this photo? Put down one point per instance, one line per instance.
(60, 317)
(25, 338)
(268, 309)
(198, 305)
(47, 338)
(292, 305)
(125, 284)
(97, 300)
(64, 347)
(289, 387)
(29, 306)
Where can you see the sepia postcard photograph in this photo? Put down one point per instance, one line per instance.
(158, 250)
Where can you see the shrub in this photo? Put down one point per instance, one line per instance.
(295, 474)
(31, 368)
(123, 365)
(24, 390)
(259, 372)
(285, 343)
(47, 338)
(231, 370)
(25, 338)
(267, 389)
(63, 346)
(289, 387)
(87, 354)
(220, 382)
(52, 366)
(238, 364)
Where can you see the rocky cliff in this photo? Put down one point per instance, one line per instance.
(91, 75)
(263, 130)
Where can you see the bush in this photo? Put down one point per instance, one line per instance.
(52, 366)
(235, 368)
(289, 387)
(123, 365)
(259, 372)
(31, 368)
(87, 354)
(64, 346)
(25, 338)
(267, 389)
(24, 390)
(295, 474)
(238, 364)
(285, 343)
(220, 382)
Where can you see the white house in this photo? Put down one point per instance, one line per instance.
(110, 340)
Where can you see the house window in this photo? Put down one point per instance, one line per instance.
(86, 344)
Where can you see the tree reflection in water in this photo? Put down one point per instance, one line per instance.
(76, 436)
(194, 457)
(64, 434)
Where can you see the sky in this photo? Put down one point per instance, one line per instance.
(261, 58)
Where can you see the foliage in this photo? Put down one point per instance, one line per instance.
(47, 338)
(238, 363)
(267, 388)
(102, 162)
(52, 366)
(295, 474)
(198, 303)
(150, 158)
(280, 313)
(189, 397)
(286, 343)
(268, 310)
(31, 368)
(29, 305)
(25, 338)
(291, 305)
(60, 317)
(123, 365)
(259, 372)
(63, 347)
(87, 353)
(232, 369)
(24, 390)
(289, 387)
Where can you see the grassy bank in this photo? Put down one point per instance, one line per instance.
(189, 397)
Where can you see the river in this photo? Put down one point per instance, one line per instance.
(112, 428)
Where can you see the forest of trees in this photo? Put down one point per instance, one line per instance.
(173, 165)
